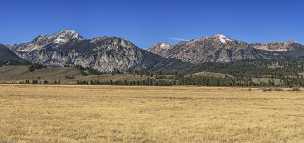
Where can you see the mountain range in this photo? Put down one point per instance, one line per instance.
(221, 49)
(113, 54)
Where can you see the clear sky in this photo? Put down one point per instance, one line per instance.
(146, 22)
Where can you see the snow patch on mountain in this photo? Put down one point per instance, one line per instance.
(65, 36)
(165, 46)
(223, 38)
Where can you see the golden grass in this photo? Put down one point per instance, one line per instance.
(97, 114)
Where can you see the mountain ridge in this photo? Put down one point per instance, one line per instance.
(104, 53)
(114, 54)
(219, 48)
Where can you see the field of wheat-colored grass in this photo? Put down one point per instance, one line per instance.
(98, 114)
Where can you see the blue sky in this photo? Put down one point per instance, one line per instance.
(146, 22)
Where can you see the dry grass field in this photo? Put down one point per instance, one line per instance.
(104, 114)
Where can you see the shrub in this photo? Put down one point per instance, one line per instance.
(69, 77)
(267, 89)
(36, 66)
(278, 89)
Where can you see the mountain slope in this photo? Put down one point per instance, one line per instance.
(8, 57)
(161, 49)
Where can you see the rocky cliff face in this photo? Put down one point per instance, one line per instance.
(161, 49)
(68, 48)
(290, 50)
(221, 49)
(277, 46)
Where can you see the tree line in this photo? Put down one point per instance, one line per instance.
(181, 81)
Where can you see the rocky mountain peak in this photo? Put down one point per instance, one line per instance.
(222, 38)
(217, 38)
(165, 46)
(113, 41)
(65, 36)
(216, 48)
(161, 48)
(40, 39)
